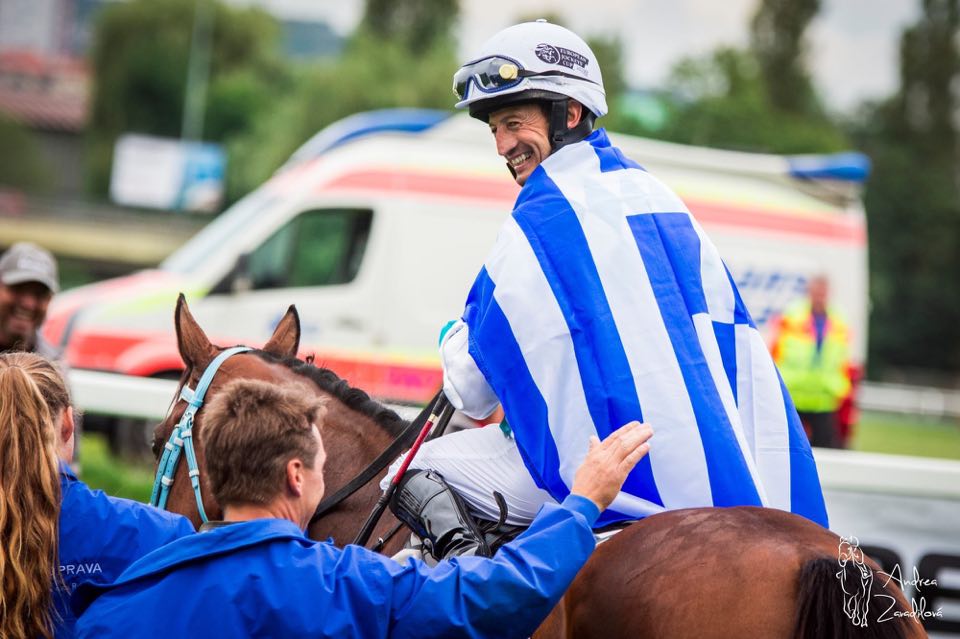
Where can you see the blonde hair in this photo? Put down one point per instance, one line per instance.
(32, 396)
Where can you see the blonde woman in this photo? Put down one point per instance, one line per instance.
(56, 533)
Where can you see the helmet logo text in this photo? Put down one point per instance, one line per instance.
(558, 55)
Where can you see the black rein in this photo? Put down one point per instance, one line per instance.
(403, 441)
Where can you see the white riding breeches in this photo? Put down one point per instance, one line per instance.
(476, 462)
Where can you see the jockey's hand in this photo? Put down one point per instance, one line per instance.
(607, 464)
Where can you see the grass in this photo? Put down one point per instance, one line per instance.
(907, 435)
(876, 432)
(100, 469)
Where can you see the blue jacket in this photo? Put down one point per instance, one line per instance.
(263, 578)
(100, 536)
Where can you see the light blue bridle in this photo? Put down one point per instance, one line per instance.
(182, 437)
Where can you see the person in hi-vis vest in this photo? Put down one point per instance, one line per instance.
(811, 349)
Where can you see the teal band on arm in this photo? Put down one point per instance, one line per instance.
(445, 330)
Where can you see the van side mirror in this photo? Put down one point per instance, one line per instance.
(242, 280)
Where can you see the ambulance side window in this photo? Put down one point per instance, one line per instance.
(317, 248)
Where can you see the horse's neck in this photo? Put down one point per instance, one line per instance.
(352, 441)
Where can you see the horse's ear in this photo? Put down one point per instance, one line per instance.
(285, 341)
(195, 349)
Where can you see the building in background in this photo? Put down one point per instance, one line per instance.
(49, 27)
(49, 95)
(45, 82)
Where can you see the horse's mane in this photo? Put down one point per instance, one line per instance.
(353, 398)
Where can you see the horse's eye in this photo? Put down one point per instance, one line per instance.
(157, 447)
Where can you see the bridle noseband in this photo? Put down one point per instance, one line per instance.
(181, 439)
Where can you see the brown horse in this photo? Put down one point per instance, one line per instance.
(703, 573)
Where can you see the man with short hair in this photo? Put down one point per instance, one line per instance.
(255, 574)
(28, 281)
(603, 301)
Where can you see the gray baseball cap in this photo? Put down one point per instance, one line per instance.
(26, 262)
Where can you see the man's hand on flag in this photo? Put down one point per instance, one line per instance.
(607, 464)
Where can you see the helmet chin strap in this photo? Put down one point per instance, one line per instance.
(560, 135)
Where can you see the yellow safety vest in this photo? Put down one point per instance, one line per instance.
(817, 380)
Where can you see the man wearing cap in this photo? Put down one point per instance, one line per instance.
(28, 281)
(602, 302)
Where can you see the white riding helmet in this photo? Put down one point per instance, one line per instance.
(530, 61)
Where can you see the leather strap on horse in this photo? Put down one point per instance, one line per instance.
(440, 412)
(181, 438)
(377, 465)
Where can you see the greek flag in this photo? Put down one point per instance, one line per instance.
(603, 302)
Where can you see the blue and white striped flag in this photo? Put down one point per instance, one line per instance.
(603, 302)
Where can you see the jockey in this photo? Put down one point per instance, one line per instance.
(255, 574)
(602, 302)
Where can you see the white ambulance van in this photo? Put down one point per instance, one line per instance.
(376, 228)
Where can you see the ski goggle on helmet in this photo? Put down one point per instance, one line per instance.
(492, 75)
(535, 57)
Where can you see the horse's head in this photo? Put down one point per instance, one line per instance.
(198, 352)
(355, 428)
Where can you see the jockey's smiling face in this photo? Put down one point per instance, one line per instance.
(522, 133)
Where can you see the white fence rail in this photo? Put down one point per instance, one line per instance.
(911, 400)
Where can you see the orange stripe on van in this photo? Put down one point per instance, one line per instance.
(822, 226)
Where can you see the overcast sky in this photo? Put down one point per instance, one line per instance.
(853, 52)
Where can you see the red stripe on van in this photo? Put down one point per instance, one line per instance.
(146, 353)
(842, 229)
(846, 230)
(459, 186)
(395, 382)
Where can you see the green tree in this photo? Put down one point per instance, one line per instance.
(380, 67)
(418, 25)
(21, 164)
(721, 100)
(777, 41)
(755, 99)
(913, 202)
(140, 60)
(609, 52)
